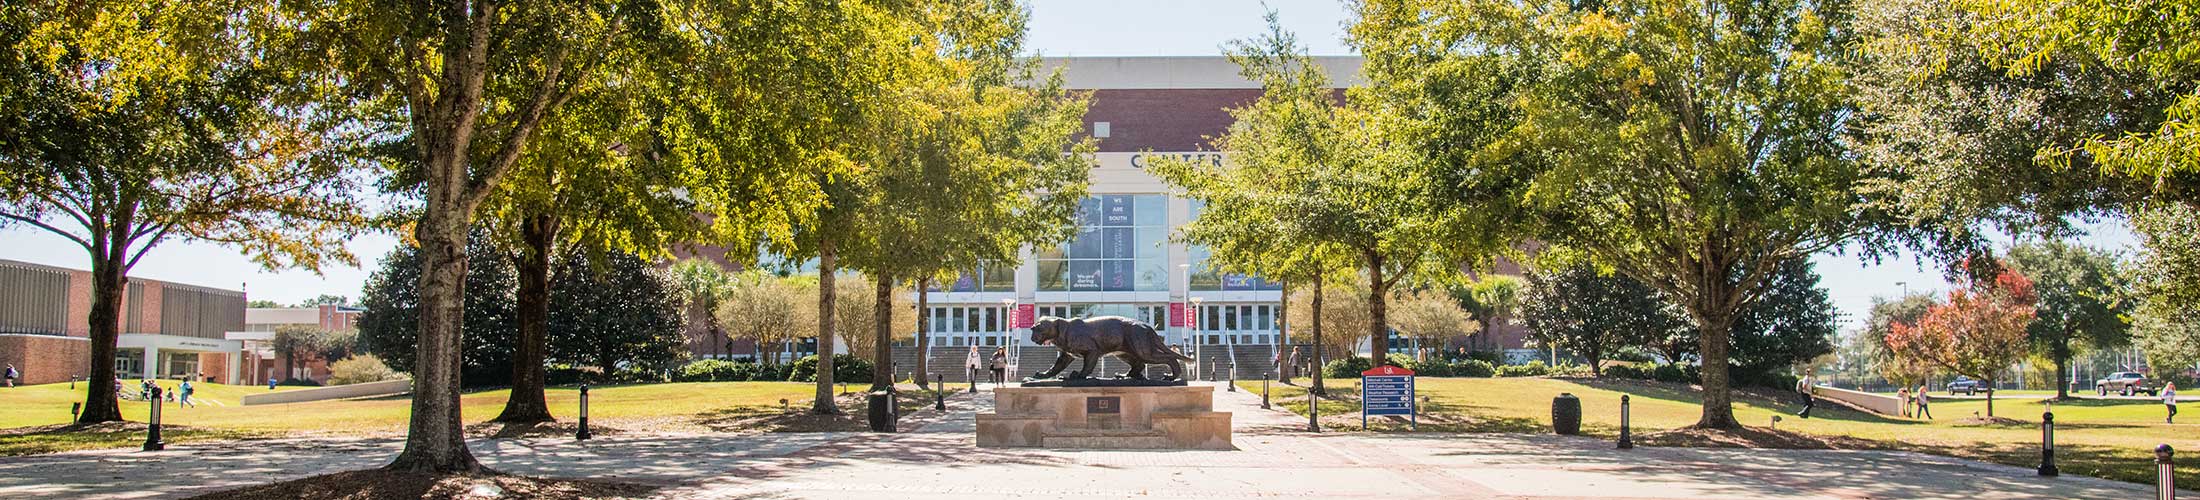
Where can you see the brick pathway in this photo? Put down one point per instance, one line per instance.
(939, 460)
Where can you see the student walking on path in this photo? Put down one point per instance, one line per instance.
(2169, 399)
(1924, 404)
(184, 398)
(1000, 365)
(972, 362)
(1804, 387)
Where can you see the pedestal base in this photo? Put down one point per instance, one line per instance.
(1105, 418)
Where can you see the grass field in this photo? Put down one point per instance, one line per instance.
(2104, 438)
(687, 406)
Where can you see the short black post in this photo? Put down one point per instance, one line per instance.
(75, 409)
(2165, 478)
(973, 372)
(1233, 379)
(1626, 435)
(939, 393)
(2047, 443)
(584, 435)
(152, 429)
(1264, 391)
(1313, 412)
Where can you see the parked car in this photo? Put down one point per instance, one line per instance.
(2127, 383)
(1967, 386)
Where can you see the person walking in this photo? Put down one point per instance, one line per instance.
(1804, 387)
(1903, 395)
(972, 363)
(184, 393)
(12, 375)
(1000, 365)
(2169, 399)
(1924, 404)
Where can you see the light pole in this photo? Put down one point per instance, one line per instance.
(1186, 271)
(1192, 330)
(1008, 338)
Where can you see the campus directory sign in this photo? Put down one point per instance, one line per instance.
(1388, 390)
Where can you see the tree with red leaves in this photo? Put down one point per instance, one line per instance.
(1978, 332)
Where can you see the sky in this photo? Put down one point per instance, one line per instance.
(1059, 28)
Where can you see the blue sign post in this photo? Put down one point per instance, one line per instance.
(1388, 390)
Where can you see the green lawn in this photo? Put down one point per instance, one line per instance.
(2105, 438)
(219, 416)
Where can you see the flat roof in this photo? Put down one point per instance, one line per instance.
(1179, 72)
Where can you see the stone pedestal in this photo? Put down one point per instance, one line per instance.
(1105, 418)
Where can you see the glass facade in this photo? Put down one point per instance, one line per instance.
(1121, 246)
(1207, 278)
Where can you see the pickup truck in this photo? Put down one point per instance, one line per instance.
(2127, 383)
(1967, 386)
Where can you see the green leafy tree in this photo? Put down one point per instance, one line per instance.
(1885, 314)
(769, 310)
(1790, 324)
(263, 304)
(132, 124)
(300, 344)
(389, 327)
(326, 300)
(2164, 276)
(1432, 318)
(1490, 299)
(1959, 137)
(1592, 314)
(613, 314)
(2082, 303)
(703, 286)
(1694, 148)
(1298, 157)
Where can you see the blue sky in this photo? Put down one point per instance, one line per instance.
(1058, 28)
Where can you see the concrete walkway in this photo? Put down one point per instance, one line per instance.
(939, 460)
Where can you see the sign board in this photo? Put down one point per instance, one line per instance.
(1388, 390)
(1026, 315)
(1103, 404)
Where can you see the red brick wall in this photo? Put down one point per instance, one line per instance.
(45, 359)
(80, 303)
(215, 366)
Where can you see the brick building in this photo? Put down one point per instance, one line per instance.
(260, 359)
(168, 330)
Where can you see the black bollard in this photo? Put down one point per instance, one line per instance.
(939, 392)
(2047, 443)
(74, 410)
(1313, 412)
(973, 373)
(1264, 391)
(2165, 479)
(1233, 380)
(152, 429)
(584, 435)
(1626, 436)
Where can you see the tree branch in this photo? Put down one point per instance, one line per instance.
(547, 95)
(55, 230)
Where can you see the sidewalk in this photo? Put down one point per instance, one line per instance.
(940, 460)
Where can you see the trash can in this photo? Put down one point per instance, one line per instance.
(1566, 414)
(882, 411)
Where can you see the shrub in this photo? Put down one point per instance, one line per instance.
(715, 370)
(1572, 370)
(846, 368)
(774, 372)
(1431, 369)
(566, 375)
(1532, 369)
(1769, 380)
(1346, 368)
(1675, 372)
(1473, 368)
(361, 369)
(1638, 371)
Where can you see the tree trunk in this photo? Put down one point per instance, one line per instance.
(2062, 365)
(1317, 364)
(109, 279)
(1990, 397)
(827, 264)
(436, 439)
(526, 404)
(882, 347)
(1718, 399)
(1378, 312)
(924, 339)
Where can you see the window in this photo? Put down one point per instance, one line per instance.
(992, 319)
(1229, 318)
(1206, 277)
(1121, 245)
(957, 318)
(992, 341)
(975, 318)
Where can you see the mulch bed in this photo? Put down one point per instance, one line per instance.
(560, 428)
(1752, 437)
(380, 484)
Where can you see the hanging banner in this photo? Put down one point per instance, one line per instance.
(1176, 314)
(1026, 315)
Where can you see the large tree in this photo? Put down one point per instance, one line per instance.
(1885, 313)
(2082, 303)
(703, 286)
(613, 313)
(390, 325)
(768, 310)
(1490, 298)
(1301, 158)
(132, 124)
(1694, 147)
(1591, 313)
(1432, 318)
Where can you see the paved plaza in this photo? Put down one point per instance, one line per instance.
(939, 460)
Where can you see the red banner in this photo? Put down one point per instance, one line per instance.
(1176, 314)
(1386, 370)
(1026, 314)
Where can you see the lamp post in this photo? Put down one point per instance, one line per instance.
(2165, 482)
(584, 435)
(1191, 329)
(1008, 339)
(939, 392)
(2047, 443)
(1626, 436)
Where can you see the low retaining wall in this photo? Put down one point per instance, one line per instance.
(1879, 403)
(383, 388)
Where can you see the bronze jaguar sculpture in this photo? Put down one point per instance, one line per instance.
(1137, 343)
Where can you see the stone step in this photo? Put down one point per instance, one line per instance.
(1122, 439)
